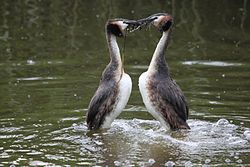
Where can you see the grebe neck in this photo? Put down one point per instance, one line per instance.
(114, 50)
(158, 62)
(114, 69)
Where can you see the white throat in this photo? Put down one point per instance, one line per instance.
(160, 49)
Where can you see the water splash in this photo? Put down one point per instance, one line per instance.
(135, 137)
(133, 142)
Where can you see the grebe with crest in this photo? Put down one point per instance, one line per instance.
(115, 85)
(161, 95)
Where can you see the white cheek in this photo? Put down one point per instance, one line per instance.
(158, 20)
(122, 25)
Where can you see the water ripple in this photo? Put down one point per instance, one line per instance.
(211, 63)
(36, 78)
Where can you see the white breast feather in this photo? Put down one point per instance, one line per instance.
(125, 87)
(143, 80)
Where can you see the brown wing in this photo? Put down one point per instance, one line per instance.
(171, 103)
(101, 104)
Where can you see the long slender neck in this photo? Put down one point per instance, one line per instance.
(158, 62)
(114, 69)
(114, 50)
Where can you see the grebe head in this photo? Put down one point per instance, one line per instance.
(119, 26)
(162, 21)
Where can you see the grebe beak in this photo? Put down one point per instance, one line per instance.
(154, 19)
(134, 25)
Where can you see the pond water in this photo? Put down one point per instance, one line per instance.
(52, 56)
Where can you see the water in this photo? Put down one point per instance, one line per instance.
(52, 56)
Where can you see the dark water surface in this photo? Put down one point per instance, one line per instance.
(52, 56)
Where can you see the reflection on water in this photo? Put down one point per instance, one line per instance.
(52, 56)
(211, 63)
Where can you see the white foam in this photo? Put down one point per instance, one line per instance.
(203, 135)
(188, 164)
(222, 122)
(169, 164)
(247, 134)
(128, 140)
(207, 161)
(38, 163)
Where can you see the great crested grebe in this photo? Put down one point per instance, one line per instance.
(161, 95)
(115, 85)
